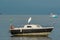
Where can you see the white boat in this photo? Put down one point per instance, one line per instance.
(31, 30)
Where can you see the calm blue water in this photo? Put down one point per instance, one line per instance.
(43, 20)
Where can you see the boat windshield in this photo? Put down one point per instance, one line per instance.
(29, 26)
(38, 26)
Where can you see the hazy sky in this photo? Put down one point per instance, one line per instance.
(33, 7)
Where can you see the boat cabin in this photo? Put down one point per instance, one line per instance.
(32, 26)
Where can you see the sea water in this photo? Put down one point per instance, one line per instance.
(21, 20)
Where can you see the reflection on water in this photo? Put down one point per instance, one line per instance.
(31, 38)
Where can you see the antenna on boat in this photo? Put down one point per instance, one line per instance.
(29, 20)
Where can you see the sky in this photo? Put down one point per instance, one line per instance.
(29, 7)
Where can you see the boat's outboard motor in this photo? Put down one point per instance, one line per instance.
(11, 27)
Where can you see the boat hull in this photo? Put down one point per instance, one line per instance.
(31, 32)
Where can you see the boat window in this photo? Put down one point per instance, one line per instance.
(29, 26)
